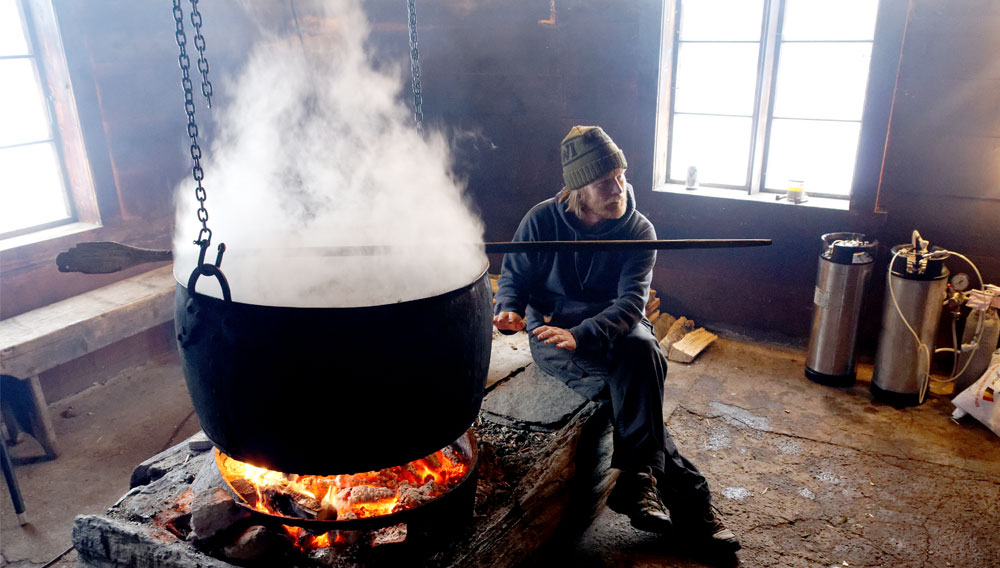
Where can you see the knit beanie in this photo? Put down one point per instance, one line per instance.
(587, 154)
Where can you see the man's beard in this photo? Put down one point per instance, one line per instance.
(607, 209)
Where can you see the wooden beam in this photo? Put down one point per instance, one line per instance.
(41, 339)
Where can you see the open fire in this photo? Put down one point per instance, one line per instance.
(181, 512)
(342, 497)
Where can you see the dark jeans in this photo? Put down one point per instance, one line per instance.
(631, 377)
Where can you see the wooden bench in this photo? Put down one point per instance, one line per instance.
(42, 339)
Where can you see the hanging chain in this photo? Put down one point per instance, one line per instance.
(418, 101)
(205, 234)
(199, 44)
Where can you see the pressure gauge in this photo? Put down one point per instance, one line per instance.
(960, 281)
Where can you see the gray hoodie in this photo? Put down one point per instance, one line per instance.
(597, 296)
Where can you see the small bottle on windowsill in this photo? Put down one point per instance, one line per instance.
(691, 183)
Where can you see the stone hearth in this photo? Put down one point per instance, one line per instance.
(543, 471)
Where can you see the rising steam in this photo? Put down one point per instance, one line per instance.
(316, 150)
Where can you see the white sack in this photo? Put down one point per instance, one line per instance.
(979, 399)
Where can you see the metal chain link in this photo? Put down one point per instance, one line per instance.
(418, 101)
(205, 234)
(199, 44)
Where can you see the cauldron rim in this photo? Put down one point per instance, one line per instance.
(444, 295)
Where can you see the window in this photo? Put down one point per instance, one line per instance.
(763, 92)
(39, 132)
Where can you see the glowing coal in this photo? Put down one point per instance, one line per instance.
(345, 497)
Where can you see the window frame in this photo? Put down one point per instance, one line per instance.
(887, 44)
(46, 48)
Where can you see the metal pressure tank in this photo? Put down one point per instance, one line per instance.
(914, 297)
(845, 266)
(983, 327)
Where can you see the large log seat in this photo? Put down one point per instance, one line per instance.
(39, 340)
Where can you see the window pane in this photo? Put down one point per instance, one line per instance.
(822, 80)
(23, 117)
(719, 146)
(716, 78)
(821, 153)
(829, 19)
(12, 39)
(703, 20)
(31, 187)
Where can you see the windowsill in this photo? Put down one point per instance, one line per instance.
(46, 234)
(817, 202)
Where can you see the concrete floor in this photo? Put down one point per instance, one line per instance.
(103, 433)
(806, 475)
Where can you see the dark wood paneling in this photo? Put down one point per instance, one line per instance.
(938, 146)
(508, 88)
(717, 301)
(963, 53)
(588, 46)
(967, 226)
(957, 107)
(953, 40)
(532, 45)
(593, 12)
(941, 165)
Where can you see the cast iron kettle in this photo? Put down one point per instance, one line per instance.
(334, 390)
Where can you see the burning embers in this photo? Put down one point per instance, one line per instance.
(345, 497)
(361, 512)
(237, 511)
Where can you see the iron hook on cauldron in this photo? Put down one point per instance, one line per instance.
(206, 269)
(191, 331)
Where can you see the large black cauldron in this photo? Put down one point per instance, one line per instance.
(335, 390)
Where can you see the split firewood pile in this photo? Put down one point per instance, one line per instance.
(679, 340)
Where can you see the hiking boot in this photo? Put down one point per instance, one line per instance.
(636, 497)
(710, 530)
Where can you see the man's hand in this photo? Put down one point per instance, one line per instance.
(561, 337)
(508, 321)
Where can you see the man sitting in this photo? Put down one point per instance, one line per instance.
(586, 315)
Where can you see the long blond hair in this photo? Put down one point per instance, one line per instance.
(573, 199)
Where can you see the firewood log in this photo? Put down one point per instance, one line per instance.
(244, 489)
(679, 329)
(662, 324)
(305, 506)
(369, 494)
(685, 350)
(652, 306)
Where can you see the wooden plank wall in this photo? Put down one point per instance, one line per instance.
(508, 80)
(494, 69)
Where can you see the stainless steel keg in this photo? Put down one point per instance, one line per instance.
(914, 296)
(845, 266)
